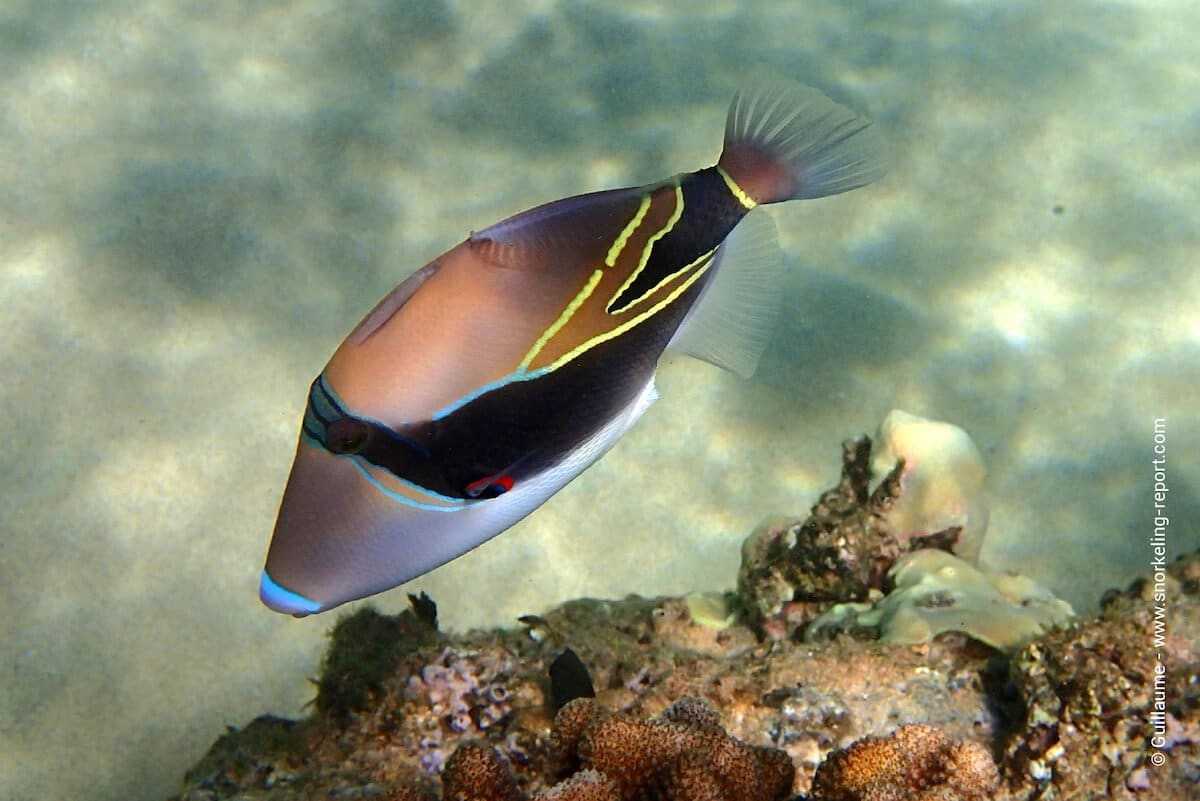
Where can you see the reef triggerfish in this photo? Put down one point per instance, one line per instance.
(498, 372)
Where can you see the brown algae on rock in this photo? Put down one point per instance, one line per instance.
(792, 569)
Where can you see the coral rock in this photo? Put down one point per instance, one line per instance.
(1102, 704)
(941, 482)
(916, 763)
(790, 571)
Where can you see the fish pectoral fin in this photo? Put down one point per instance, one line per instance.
(732, 321)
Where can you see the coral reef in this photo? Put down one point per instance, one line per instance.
(1072, 715)
(404, 711)
(915, 763)
(1107, 707)
(644, 655)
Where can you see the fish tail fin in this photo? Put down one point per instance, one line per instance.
(789, 142)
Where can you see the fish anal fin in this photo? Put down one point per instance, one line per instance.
(732, 321)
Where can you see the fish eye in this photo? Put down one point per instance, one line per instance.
(345, 436)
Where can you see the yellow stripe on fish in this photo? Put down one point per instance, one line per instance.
(644, 255)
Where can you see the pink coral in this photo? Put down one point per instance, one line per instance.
(916, 763)
(684, 755)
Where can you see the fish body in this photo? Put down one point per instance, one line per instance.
(494, 375)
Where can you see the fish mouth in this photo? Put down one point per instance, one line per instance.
(281, 599)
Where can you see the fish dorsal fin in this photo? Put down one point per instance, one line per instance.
(730, 325)
(392, 302)
(558, 234)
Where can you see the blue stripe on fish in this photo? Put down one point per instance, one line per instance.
(460, 503)
(284, 600)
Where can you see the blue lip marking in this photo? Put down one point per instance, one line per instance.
(284, 600)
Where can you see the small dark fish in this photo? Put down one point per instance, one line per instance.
(569, 679)
(501, 370)
(424, 608)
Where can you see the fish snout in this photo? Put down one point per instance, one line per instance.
(331, 537)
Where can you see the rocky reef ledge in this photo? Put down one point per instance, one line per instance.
(711, 697)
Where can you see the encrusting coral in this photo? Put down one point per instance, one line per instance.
(936, 592)
(475, 772)
(916, 763)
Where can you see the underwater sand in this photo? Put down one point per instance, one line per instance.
(199, 200)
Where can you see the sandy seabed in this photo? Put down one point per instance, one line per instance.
(199, 200)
